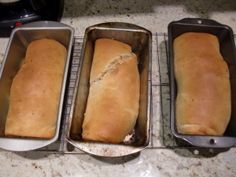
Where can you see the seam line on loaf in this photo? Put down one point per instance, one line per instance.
(112, 66)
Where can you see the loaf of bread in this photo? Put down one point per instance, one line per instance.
(203, 103)
(35, 91)
(113, 101)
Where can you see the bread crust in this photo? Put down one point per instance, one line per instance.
(203, 103)
(113, 101)
(35, 91)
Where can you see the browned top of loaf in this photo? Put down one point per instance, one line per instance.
(35, 91)
(203, 100)
(113, 102)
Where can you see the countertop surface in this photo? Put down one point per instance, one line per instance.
(155, 16)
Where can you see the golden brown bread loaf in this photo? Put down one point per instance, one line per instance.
(35, 91)
(113, 101)
(203, 103)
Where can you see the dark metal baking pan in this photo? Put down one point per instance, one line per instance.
(227, 48)
(140, 40)
(15, 52)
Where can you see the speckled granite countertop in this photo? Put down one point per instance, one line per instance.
(155, 16)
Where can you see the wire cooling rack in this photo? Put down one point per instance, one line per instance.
(161, 137)
(156, 140)
(160, 132)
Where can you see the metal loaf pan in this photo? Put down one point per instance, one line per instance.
(140, 40)
(15, 52)
(227, 48)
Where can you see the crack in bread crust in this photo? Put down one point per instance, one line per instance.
(112, 66)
